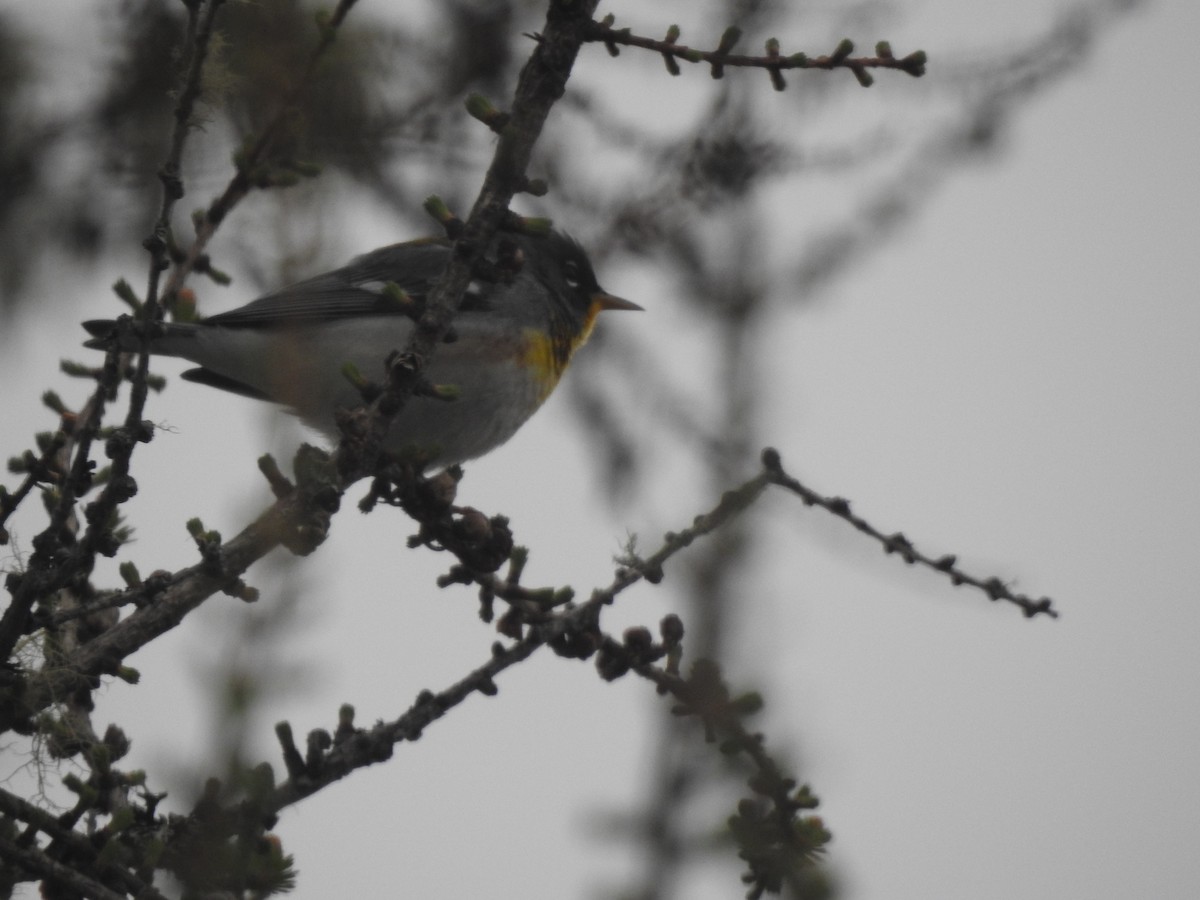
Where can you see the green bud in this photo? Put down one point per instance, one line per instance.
(121, 819)
(729, 38)
(398, 297)
(54, 402)
(865, 78)
(351, 374)
(748, 704)
(479, 107)
(436, 207)
(535, 225)
(914, 63)
(76, 369)
(129, 574)
(305, 169)
(844, 49)
(122, 289)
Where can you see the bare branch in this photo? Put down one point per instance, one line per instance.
(775, 64)
(897, 543)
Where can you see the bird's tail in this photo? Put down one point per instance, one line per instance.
(104, 334)
(125, 335)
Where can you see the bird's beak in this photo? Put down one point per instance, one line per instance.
(602, 300)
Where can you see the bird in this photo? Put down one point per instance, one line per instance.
(512, 338)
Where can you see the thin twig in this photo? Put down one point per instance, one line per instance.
(897, 543)
(53, 566)
(775, 63)
(254, 155)
(79, 846)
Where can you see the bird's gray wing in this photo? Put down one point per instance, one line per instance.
(356, 289)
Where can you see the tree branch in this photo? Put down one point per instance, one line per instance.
(773, 61)
(899, 544)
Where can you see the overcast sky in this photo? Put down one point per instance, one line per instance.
(1014, 379)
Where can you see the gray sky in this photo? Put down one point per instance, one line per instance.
(1013, 379)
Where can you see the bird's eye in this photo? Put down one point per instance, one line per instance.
(571, 274)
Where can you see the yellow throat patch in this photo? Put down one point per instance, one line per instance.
(547, 354)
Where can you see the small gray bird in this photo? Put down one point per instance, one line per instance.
(515, 337)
